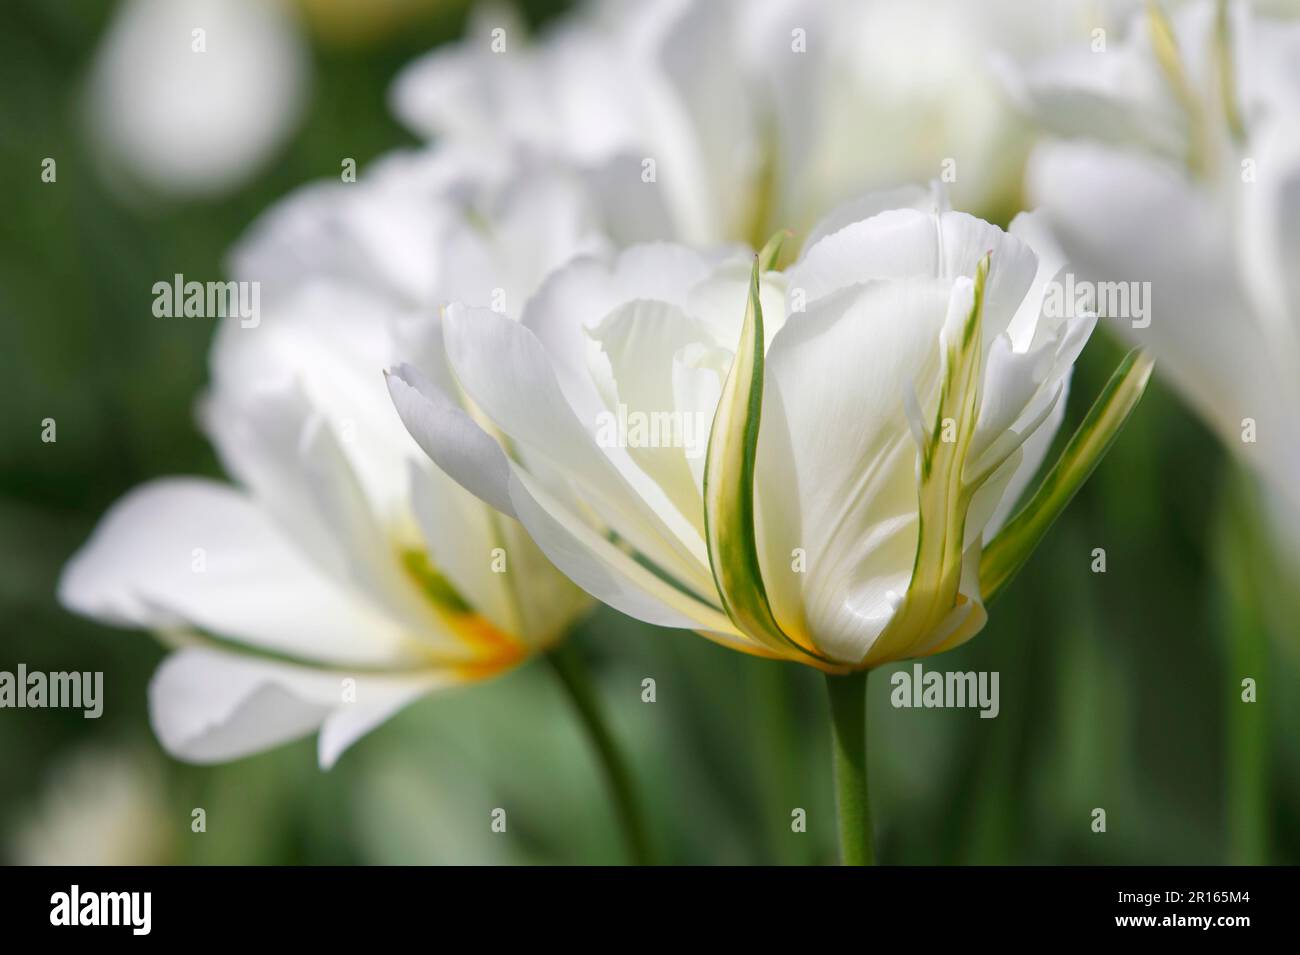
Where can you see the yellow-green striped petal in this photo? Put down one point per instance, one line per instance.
(729, 488)
(943, 498)
(771, 252)
(1006, 554)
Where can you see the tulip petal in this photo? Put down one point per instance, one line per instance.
(448, 435)
(607, 572)
(576, 298)
(640, 341)
(1007, 552)
(209, 706)
(903, 243)
(373, 553)
(318, 352)
(460, 534)
(1027, 464)
(383, 698)
(770, 254)
(304, 477)
(700, 126)
(188, 553)
(491, 561)
(729, 514)
(836, 469)
(549, 604)
(944, 497)
(720, 301)
(257, 431)
(1125, 218)
(584, 553)
(865, 207)
(506, 372)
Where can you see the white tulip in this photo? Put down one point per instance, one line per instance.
(1182, 169)
(343, 576)
(425, 227)
(191, 97)
(908, 386)
(747, 115)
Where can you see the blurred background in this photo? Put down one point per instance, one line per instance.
(1118, 690)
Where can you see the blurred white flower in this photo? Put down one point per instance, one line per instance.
(192, 97)
(425, 227)
(908, 391)
(1179, 165)
(100, 806)
(756, 114)
(344, 576)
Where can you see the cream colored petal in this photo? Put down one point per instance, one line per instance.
(208, 706)
(505, 371)
(836, 450)
(188, 553)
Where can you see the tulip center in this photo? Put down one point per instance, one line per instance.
(494, 650)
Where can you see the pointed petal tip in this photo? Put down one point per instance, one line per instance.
(1011, 548)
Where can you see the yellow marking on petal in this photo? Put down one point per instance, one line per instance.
(1164, 43)
(1227, 73)
(729, 518)
(493, 649)
(767, 653)
(506, 651)
(943, 497)
(758, 217)
(770, 254)
(487, 639)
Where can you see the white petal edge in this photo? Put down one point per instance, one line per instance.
(210, 706)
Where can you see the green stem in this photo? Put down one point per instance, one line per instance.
(573, 675)
(849, 744)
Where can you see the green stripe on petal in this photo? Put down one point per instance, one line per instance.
(767, 258)
(434, 585)
(729, 489)
(944, 498)
(1164, 43)
(1006, 554)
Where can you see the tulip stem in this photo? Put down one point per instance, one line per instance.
(576, 680)
(848, 696)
